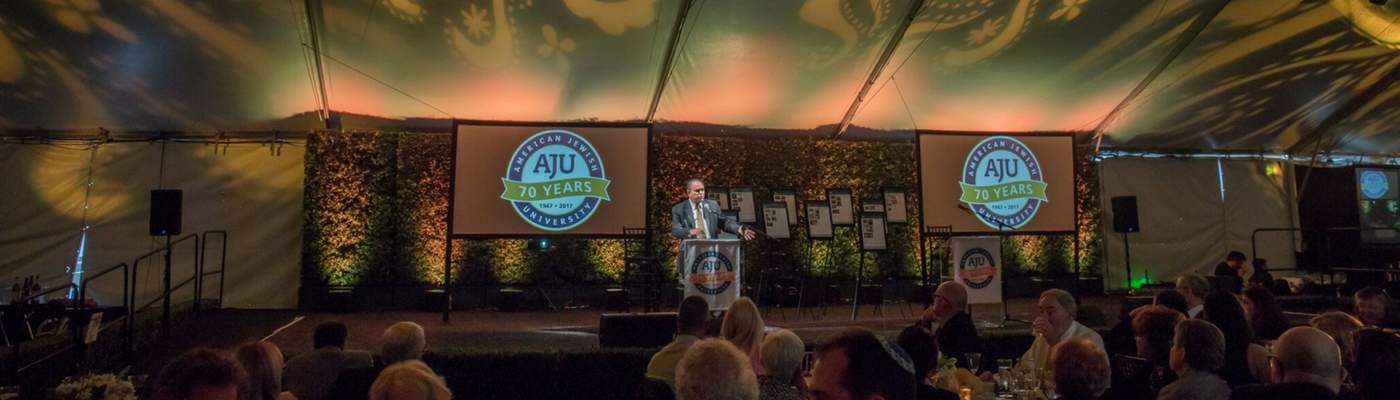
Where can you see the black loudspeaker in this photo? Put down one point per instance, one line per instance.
(165, 212)
(636, 330)
(1125, 215)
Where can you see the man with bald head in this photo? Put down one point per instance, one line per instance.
(947, 318)
(1307, 364)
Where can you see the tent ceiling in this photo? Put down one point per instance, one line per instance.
(1260, 77)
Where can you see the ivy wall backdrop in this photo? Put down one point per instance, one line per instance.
(376, 206)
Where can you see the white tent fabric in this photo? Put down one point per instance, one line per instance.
(1190, 220)
(246, 189)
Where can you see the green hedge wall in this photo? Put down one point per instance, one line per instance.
(376, 206)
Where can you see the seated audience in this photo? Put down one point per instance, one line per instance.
(1194, 288)
(743, 326)
(1245, 360)
(409, 380)
(858, 365)
(1232, 270)
(691, 318)
(311, 376)
(1339, 326)
(1152, 328)
(1198, 352)
(1170, 298)
(262, 361)
(1054, 324)
(1081, 369)
(713, 369)
(1307, 364)
(402, 341)
(782, 362)
(1265, 315)
(1376, 364)
(1262, 277)
(922, 349)
(952, 326)
(1373, 308)
(201, 374)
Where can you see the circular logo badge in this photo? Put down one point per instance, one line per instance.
(555, 180)
(711, 273)
(1373, 184)
(976, 268)
(1002, 183)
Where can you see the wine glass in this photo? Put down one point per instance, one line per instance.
(974, 362)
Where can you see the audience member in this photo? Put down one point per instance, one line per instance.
(713, 369)
(1339, 326)
(858, 365)
(1152, 330)
(409, 380)
(691, 318)
(312, 375)
(1376, 364)
(922, 349)
(1245, 360)
(1307, 365)
(782, 361)
(1373, 308)
(1054, 324)
(201, 374)
(1197, 354)
(1265, 315)
(743, 326)
(262, 361)
(950, 323)
(1081, 369)
(402, 341)
(1172, 299)
(1232, 270)
(1194, 288)
(1262, 277)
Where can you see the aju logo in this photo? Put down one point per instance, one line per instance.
(977, 268)
(555, 180)
(1002, 182)
(711, 273)
(1373, 184)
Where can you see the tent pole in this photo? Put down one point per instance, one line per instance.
(879, 68)
(669, 62)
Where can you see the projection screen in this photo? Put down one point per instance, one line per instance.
(997, 183)
(529, 179)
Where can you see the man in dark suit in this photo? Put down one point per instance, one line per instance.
(952, 326)
(687, 215)
(1307, 364)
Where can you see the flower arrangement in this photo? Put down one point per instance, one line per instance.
(95, 387)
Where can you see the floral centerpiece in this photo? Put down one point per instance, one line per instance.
(95, 387)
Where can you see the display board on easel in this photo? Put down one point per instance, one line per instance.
(775, 221)
(789, 198)
(819, 220)
(719, 194)
(872, 231)
(742, 200)
(842, 206)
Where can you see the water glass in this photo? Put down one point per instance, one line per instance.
(974, 362)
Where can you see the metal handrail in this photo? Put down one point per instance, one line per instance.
(136, 270)
(223, 265)
(1327, 239)
(20, 306)
(126, 275)
(173, 289)
(25, 300)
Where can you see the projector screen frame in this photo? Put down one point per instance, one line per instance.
(919, 171)
(452, 185)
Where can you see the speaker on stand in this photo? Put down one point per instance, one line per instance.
(1125, 221)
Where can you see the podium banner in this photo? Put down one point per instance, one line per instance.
(978, 267)
(710, 269)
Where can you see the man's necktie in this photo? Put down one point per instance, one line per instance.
(700, 221)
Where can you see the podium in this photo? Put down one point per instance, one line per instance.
(710, 268)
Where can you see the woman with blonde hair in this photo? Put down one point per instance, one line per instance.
(743, 327)
(263, 363)
(409, 380)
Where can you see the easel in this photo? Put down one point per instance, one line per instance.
(872, 217)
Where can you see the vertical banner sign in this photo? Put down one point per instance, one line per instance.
(896, 208)
(818, 220)
(775, 220)
(742, 199)
(719, 194)
(789, 198)
(977, 265)
(842, 211)
(711, 270)
(872, 231)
